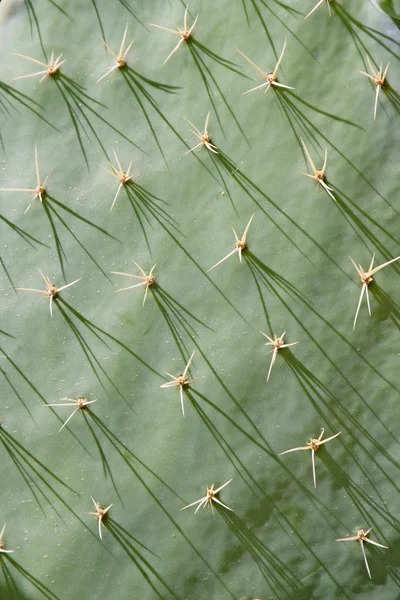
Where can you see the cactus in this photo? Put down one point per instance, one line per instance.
(158, 395)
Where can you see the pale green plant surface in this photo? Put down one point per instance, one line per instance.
(296, 277)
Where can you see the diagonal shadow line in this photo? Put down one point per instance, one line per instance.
(360, 497)
(223, 62)
(98, 332)
(266, 274)
(132, 86)
(127, 71)
(128, 536)
(15, 449)
(307, 124)
(23, 460)
(137, 558)
(126, 454)
(232, 422)
(12, 589)
(393, 96)
(28, 458)
(32, 387)
(226, 448)
(25, 101)
(154, 105)
(293, 11)
(91, 357)
(279, 576)
(98, 17)
(179, 311)
(388, 307)
(145, 205)
(130, 10)
(124, 451)
(8, 275)
(318, 394)
(57, 214)
(365, 230)
(81, 218)
(349, 21)
(237, 405)
(296, 118)
(77, 100)
(41, 587)
(263, 272)
(223, 161)
(205, 74)
(205, 273)
(3, 332)
(222, 180)
(20, 398)
(20, 372)
(318, 110)
(62, 10)
(313, 554)
(76, 123)
(59, 248)
(68, 228)
(23, 471)
(285, 25)
(264, 25)
(136, 83)
(33, 20)
(27, 237)
(245, 12)
(265, 446)
(174, 327)
(107, 470)
(141, 216)
(358, 43)
(250, 188)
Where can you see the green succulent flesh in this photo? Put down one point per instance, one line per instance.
(133, 448)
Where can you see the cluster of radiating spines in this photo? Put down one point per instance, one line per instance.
(361, 536)
(39, 191)
(3, 549)
(240, 245)
(366, 279)
(118, 173)
(277, 342)
(100, 514)
(180, 381)
(203, 136)
(120, 58)
(378, 78)
(319, 3)
(209, 498)
(318, 175)
(51, 290)
(146, 280)
(78, 404)
(50, 69)
(313, 444)
(184, 33)
(271, 78)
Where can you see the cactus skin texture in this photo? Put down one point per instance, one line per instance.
(133, 448)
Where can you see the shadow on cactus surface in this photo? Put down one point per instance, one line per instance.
(125, 143)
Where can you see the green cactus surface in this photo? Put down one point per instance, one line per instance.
(124, 190)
